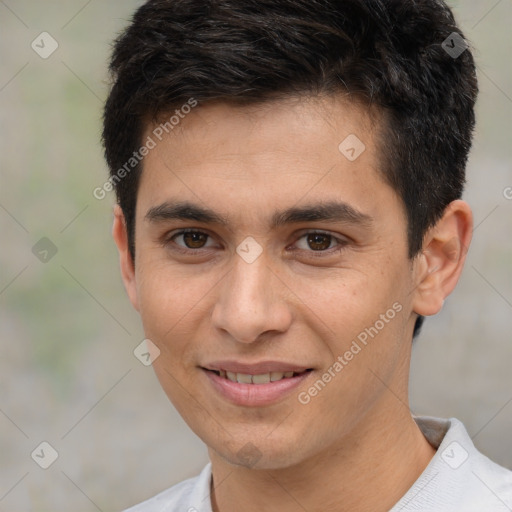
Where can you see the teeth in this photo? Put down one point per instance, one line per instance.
(244, 378)
(262, 378)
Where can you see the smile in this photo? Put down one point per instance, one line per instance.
(254, 389)
(261, 378)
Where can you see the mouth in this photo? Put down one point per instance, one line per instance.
(260, 387)
(258, 378)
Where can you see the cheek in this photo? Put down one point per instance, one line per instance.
(360, 316)
(166, 293)
(171, 305)
(342, 302)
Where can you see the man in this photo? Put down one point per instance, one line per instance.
(289, 175)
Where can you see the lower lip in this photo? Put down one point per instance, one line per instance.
(255, 394)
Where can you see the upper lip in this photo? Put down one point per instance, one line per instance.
(255, 368)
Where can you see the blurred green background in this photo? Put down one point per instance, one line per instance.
(68, 375)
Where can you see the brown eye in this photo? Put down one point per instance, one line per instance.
(319, 244)
(191, 239)
(195, 240)
(319, 241)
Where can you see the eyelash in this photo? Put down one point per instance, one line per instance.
(315, 254)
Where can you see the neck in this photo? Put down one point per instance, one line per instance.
(369, 470)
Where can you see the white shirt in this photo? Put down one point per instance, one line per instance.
(458, 479)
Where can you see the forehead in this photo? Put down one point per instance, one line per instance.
(301, 149)
(300, 125)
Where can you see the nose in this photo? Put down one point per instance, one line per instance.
(251, 302)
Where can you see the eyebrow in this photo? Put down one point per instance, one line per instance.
(331, 211)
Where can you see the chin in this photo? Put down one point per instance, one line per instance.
(260, 454)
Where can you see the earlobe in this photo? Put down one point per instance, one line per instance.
(120, 235)
(438, 268)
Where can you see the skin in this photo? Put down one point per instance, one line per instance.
(355, 446)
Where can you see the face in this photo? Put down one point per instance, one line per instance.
(268, 254)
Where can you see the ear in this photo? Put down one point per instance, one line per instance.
(438, 268)
(120, 234)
